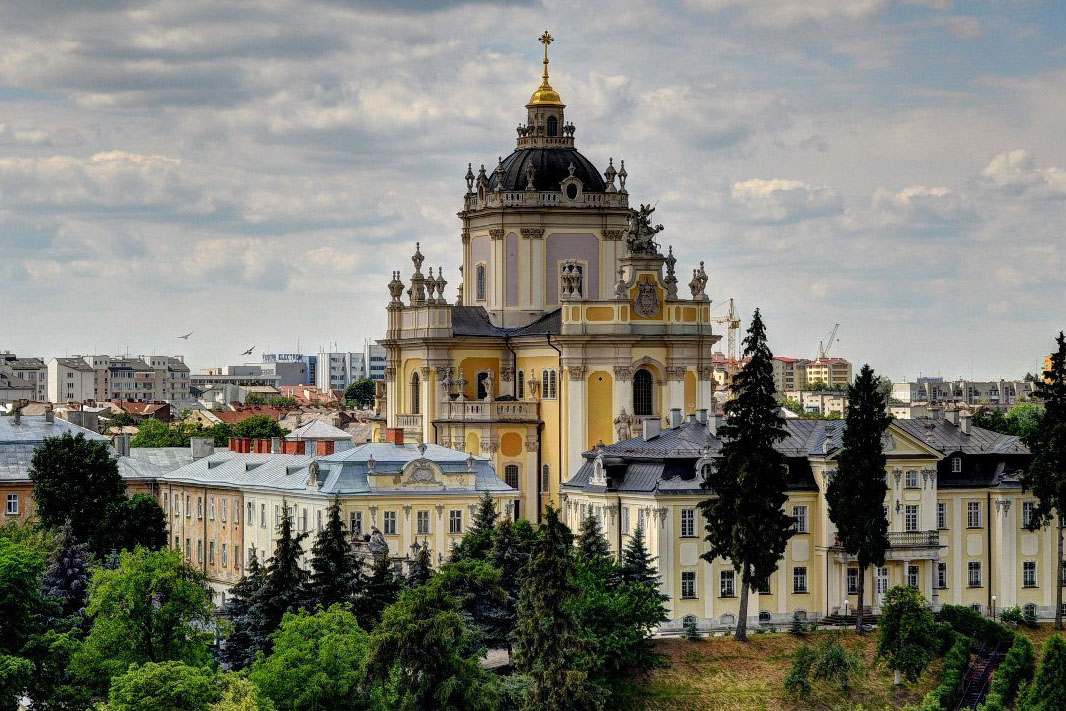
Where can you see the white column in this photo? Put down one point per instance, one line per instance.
(530, 504)
(577, 428)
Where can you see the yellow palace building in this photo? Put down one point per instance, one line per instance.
(569, 329)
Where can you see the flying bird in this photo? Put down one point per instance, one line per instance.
(186, 336)
(249, 351)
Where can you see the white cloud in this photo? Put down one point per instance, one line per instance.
(1016, 172)
(779, 201)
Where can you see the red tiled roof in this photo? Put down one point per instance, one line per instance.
(233, 417)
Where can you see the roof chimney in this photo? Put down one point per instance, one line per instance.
(49, 415)
(201, 447)
(936, 412)
(714, 424)
(122, 444)
(275, 445)
(394, 435)
(18, 415)
(952, 416)
(964, 422)
(701, 415)
(652, 427)
(675, 417)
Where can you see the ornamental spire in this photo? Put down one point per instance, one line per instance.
(545, 94)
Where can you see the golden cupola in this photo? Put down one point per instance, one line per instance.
(545, 95)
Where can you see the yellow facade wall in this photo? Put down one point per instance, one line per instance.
(600, 422)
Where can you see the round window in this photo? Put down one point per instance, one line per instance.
(571, 191)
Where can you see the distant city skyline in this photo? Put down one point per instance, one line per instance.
(895, 167)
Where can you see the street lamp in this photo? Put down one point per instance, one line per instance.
(845, 607)
(993, 608)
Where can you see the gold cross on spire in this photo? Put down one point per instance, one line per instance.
(545, 94)
(546, 39)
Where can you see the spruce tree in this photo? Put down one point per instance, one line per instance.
(509, 554)
(548, 646)
(1046, 476)
(420, 569)
(856, 493)
(638, 565)
(592, 546)
(477, 542)
(66, 582)
(383, 587)
(1048, 691)
(285, 583)
(336, 570)
(745, 521)
(241, 608)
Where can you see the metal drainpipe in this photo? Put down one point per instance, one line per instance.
(988, 544)
(558, 417)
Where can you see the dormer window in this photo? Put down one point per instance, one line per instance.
(553, 126)
(956, 465)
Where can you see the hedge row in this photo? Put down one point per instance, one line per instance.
(956, 661)
(971, 623)
(1015, 671)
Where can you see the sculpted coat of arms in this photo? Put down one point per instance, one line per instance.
(647, 302)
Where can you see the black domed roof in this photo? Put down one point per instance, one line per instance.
(551, 166)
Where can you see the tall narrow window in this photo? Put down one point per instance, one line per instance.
(422, 521)
(853, 581)
(912, 575)
(973, 570)
(642, 388)
(482, 385)
(510, 475)
(416, 394)
(479, 282)
(551, 384)
(521, 386)
(1029, 574)
(973, 514)
(942, 575)
(545, 478)
(727, 583)
(688, 523)
(941, 515)
(553, 126)
(688, 584)
(799, 515)
(910, 518)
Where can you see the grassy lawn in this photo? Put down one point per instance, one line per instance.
(720, 674)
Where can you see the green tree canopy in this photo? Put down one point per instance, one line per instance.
(856, 493)
(592, 546)
(477, 542)
(134, 521)
(246, 616)
(284, 583)
(336, 570)
(153, 433)
(154, 607)
(382, 588)
(77, 480)
(745, 519)
(907, 632)
(237, 693)
(638, 565)
(163, 685)
(548, 645)
(259, 427)
(1048, 691)
(20, 600)
(316, 662)
(360, 393)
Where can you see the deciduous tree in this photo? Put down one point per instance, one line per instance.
(907, 632)
(745, 520)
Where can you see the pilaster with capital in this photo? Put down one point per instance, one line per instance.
(533, 232)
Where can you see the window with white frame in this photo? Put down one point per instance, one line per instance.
(973, 570)
(764, 587)
(199, 551)
(225, 506)
(688, 523)
(12, 506)
(355, 522)
(250, 516)
(727, 583)
(211, 508)
(910, 517)
(422, 523)
(303, 520)
(166, 502)
(799, 579)
(942, 576)
(912, 575)
(223, 555)
(545, 478)
(455, 521)
(318, 520)
(973, 514)
(188, 506)
(1027, 513)
(853, 581)
(941, 515)
(211, 553)
(1029, 574)
(799, 517)
(262, 515)
(188, 549)
(956, 465)
(1062, 572)
(911, 479)
(390, 523)
(688, 584)
(199, 507)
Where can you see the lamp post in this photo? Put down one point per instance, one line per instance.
(993, 608)
(845, 608)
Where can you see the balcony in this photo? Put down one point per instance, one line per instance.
(487, 411)
(904, 546)
(913, 539)
(409, 422)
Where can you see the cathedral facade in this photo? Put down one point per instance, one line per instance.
(569, 330)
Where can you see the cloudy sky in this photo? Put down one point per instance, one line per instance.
(253, 171)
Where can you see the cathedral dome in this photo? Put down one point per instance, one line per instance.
(550, 167)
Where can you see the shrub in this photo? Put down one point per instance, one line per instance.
(1029, 616)
(1016, 669)
(947, 694)
(692, 632)
(971, 623)
(835, 663)
(798, 681)
(1012, 615)
(798, 627)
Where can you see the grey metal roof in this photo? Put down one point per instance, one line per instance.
(166, 458)
(474, 321)
(17, 442)
(286, 472)
(75, 364)
(317, 429)
(24, 363)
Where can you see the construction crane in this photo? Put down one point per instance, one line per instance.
(824, 346)
(732, 322)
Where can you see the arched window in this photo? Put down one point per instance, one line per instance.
(642, 390)
(510, 475)
(416, 394)
(482, 390)
(545, 478)
(521, 386)
(553, 126)
(1029, 610)
(479, 282)
(764, 616)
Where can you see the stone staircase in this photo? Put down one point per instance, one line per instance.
(978, 677)
(869, 619)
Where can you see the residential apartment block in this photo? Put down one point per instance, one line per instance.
(994, 393)
(955, 507)
(338, 370)
(293, 368)
(29, 370)
(71, 380)
(819, 402)
(143, 378)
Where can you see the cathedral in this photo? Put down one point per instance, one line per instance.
(569, 330)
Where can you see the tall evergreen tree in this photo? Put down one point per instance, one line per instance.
(285, 581)
(382, 588)
(511, 547)
(477, 542)
(856, 493)
(239, 649)
(548, 644)
(1046, 476)
(745, 522)
(592, 546)
(420, 569)
(638, 565)
(1048, 692)
(66, 582)
(336, 570)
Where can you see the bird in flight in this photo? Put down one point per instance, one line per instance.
(249, 351)
(186, 336)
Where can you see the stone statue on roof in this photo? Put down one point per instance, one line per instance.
(623, 426)
(640, 239)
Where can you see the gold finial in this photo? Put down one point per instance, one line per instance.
(544, 93)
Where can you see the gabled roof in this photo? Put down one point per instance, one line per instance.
(317, 429)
